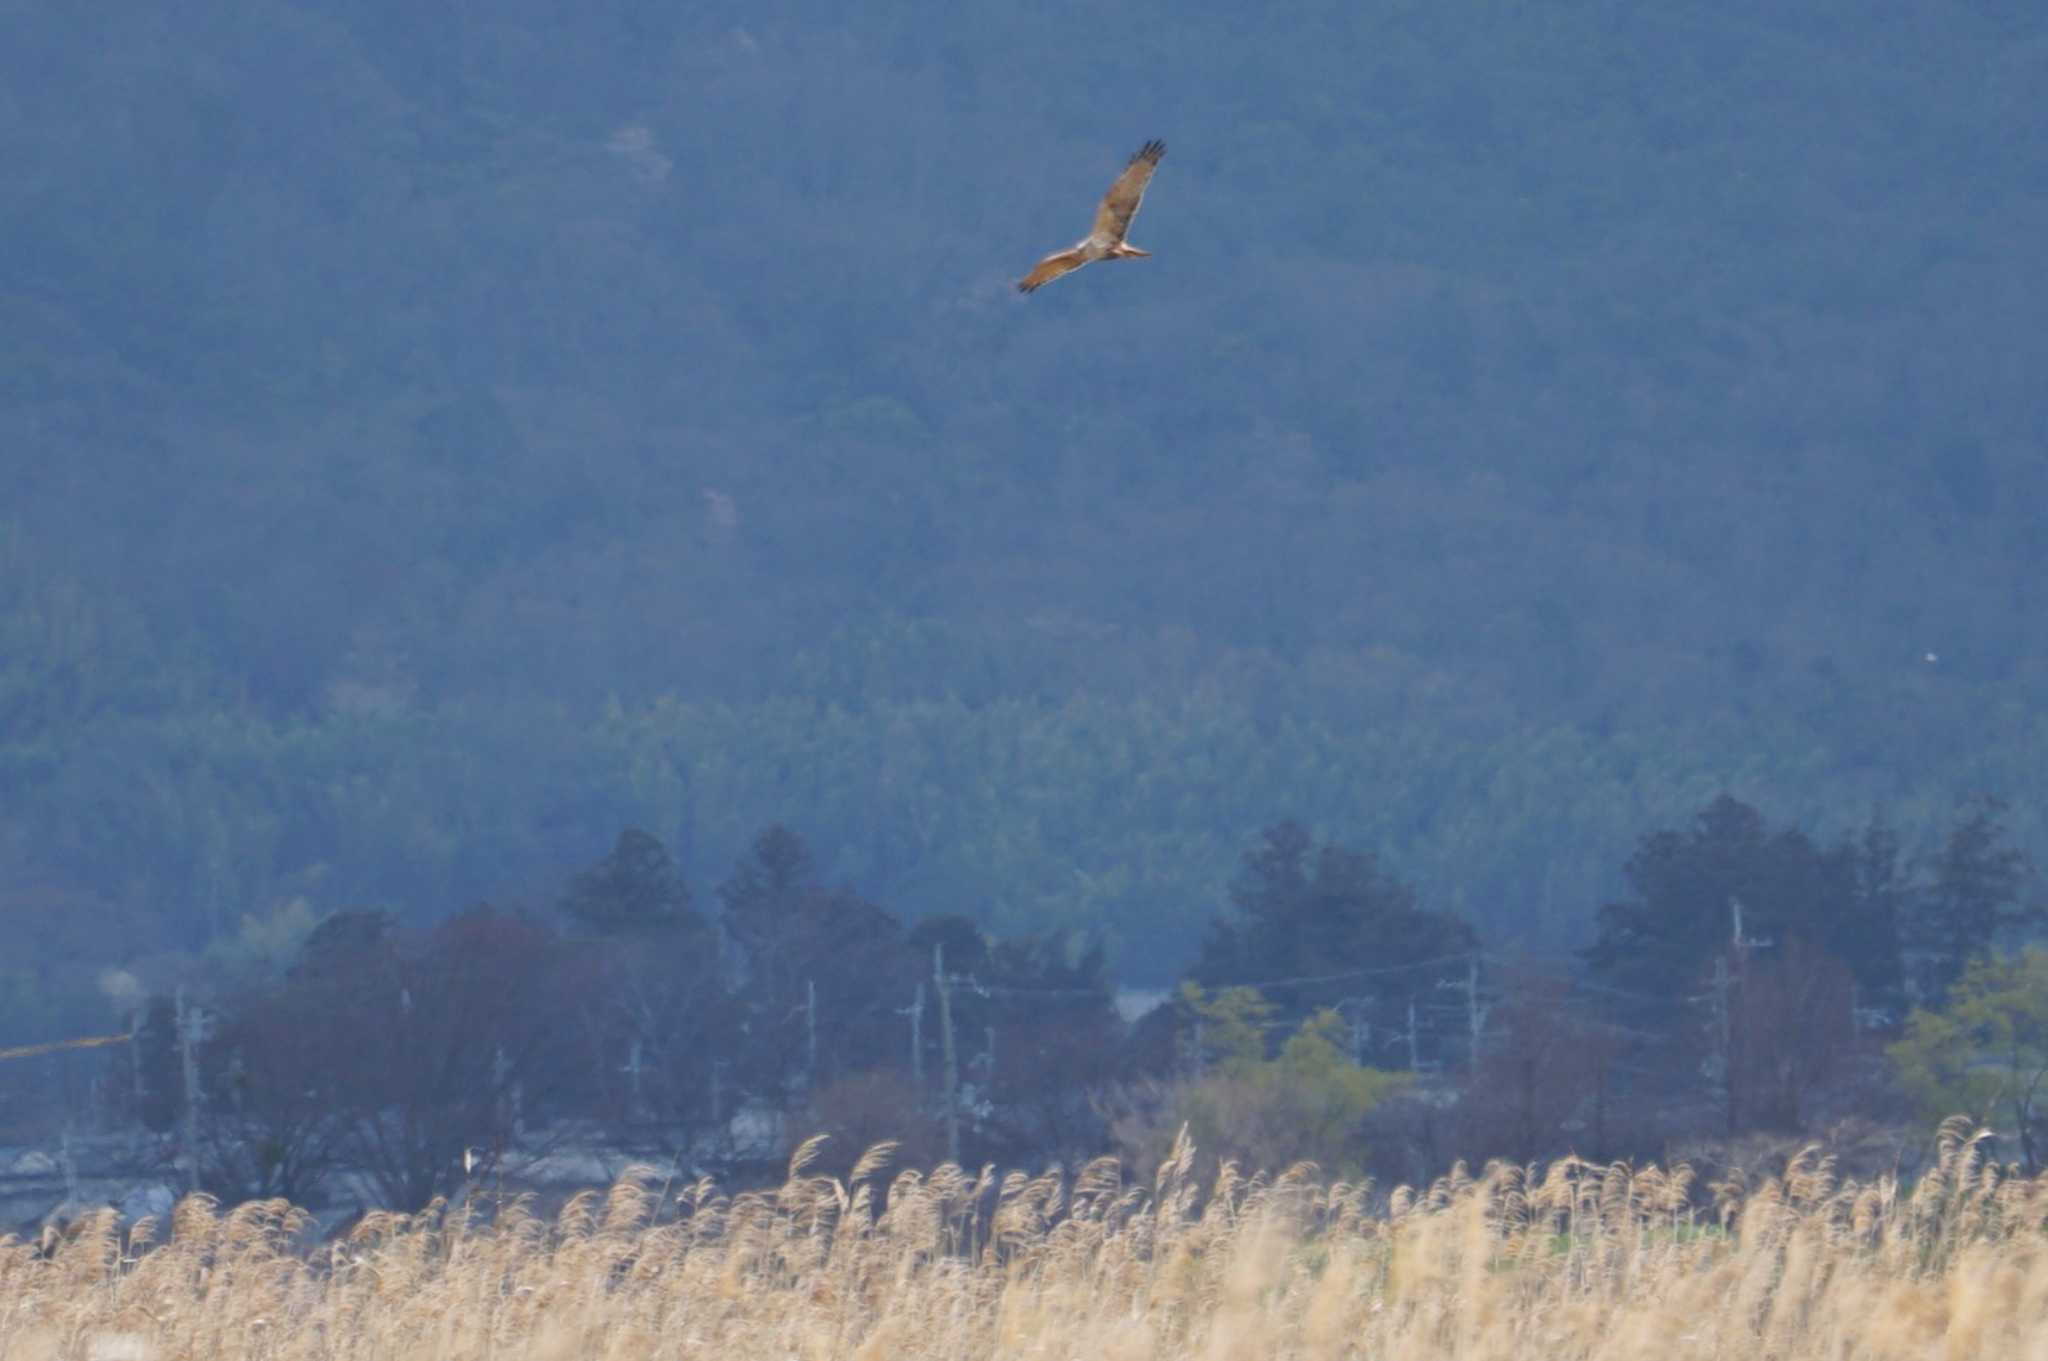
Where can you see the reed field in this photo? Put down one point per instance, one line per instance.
(1564, 1261)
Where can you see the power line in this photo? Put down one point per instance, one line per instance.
(1380, 972)
(1613, 991)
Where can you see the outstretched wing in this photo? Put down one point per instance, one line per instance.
(1050, 268)
(1120, 204)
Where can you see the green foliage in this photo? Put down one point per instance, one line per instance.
(1986, 1053)
(1308, 1104)
(1233, 1025)
(1120, 817)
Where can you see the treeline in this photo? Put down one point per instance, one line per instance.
(420, 1055)
(1576, 445)
(1751, 980)
(1113, 815)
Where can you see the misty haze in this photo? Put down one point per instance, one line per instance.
(558, 603)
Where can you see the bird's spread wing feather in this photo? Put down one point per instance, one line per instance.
(1120, 204)
(1050, 268)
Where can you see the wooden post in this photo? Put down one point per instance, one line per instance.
(950, 1057)
(189, 1021)
(1472, 1011)
(1724, 1036)
(632, 1072)
(135, 1053)
(917, 1041)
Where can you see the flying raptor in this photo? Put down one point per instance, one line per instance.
(1112, 220)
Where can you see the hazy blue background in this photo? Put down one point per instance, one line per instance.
(434, 437)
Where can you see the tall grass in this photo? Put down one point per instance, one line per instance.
(1570, 1260)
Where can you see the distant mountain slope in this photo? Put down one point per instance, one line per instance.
(1582, 364)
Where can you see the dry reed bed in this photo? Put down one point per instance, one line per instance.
(1569, 1261)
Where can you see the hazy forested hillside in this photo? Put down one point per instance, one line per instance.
(433, 438)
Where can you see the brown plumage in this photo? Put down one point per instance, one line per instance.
(1112, 221)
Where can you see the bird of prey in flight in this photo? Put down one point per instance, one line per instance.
(1112, 220)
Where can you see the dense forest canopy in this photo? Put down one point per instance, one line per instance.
(432, 440)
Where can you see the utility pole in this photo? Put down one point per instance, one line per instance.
(1473, 1017)
(1353, 1011)
(810, 1034)
(632, 1071)
(191, 1023)
(947, 1053)
(511, 1091)
(916, 1013)
(1414, 1056)
(1724, 1033)
(1723, 1028)
(135, 1056)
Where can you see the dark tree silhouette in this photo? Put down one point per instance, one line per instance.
(1540, 1081)
(1308, 912)
(1789, 1029)
(824, 971)
(447, 1038)
(656, 1028)
(636, 889)
(1730, 874)
(275, 1116)
(1974, 894)
(356, 946)
(159, 1085)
